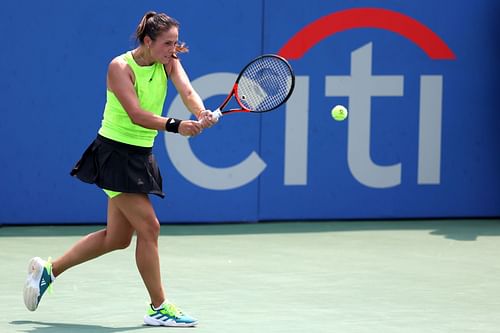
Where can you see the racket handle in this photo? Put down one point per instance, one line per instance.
(217, 114)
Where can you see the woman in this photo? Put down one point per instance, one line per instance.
(120, 161)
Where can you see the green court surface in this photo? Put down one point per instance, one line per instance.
(308, 277)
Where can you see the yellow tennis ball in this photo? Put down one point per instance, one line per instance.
(339, 112)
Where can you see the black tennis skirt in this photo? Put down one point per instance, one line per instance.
(120, 167)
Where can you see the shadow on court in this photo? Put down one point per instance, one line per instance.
(44, 327)
(459, 230)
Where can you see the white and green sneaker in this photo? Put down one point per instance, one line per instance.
(38, 281)
(168, 315)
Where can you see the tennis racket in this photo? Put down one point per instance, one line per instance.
(263, 85)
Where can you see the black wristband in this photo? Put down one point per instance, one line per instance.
(172, 125)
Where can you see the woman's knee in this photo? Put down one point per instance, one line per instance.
(121, 243)
(150, 229)
(116, 241)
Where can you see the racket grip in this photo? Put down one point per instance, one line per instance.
(217, 114)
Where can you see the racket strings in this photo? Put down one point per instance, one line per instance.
(265, 84)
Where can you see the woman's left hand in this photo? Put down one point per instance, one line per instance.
(190, 128)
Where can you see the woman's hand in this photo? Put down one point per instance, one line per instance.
(190, 128)
(207, 119)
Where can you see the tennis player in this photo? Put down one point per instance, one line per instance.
(120, 161)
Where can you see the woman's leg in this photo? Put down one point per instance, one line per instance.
(117, 235)
(137, 209)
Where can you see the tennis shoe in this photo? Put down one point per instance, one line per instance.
(38, 281)
(168, 315)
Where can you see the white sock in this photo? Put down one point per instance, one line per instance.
(160, 307)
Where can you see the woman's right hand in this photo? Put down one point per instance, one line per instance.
(207, 119)
(190, 128)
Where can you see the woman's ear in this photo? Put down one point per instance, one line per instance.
(147, 41)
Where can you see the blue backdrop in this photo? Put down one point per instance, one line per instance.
(420, 79)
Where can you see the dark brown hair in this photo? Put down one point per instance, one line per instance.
(152, 24)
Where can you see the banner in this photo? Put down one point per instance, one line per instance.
(419, 79)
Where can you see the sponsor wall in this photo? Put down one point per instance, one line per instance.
(420, 79)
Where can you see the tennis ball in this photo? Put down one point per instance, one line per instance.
(339, 112)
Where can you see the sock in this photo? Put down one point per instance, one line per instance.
(160, 307)
(52, 276)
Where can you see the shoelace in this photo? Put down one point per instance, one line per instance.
(171, 310)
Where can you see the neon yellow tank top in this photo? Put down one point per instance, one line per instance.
(151, 89)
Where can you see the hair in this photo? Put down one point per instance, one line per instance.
(152, 24)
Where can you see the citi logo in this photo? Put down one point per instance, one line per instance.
(359, 87)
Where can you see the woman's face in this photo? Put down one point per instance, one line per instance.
(163, 48)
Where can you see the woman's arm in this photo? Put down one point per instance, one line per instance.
(189, 96)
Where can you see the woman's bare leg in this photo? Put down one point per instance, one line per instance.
(137, 209)
(117, 235)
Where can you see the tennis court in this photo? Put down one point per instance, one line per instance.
(352, 276)
(389, 210)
